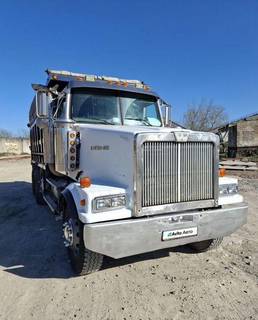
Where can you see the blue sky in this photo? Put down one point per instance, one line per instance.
(185, 49)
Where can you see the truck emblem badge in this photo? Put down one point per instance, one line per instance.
(100, 148)
(181, 136)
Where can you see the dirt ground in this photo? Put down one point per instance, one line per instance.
(36, 281)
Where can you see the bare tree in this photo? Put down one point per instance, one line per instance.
(23, 133)
(5, 134)
(204, 116)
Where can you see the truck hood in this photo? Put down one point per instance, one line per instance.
(108, 152)
(132, 129)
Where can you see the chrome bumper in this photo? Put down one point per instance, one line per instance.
(128, 237)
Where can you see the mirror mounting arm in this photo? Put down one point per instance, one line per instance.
(166, 108)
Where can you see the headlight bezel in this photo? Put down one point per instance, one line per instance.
(228, 189)
(111, 199)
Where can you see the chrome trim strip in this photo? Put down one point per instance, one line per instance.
(177, 207)
(49, 204)
(68, 105)
(179, 173)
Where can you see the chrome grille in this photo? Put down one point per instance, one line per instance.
(176, 172)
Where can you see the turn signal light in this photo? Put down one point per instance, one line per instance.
(85, 182)
(82, 202)
(222, 172)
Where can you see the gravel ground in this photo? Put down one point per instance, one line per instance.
(37, 283)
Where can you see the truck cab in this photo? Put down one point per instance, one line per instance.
(123, 182)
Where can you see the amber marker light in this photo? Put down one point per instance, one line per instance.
(222, 172)
(72, 135)
(82, 202)
(85, 182)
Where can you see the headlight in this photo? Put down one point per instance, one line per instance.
(103, 203)
(109, 202)
(228, 189)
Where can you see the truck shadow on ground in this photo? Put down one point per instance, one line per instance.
(112, 263)
(31, 243)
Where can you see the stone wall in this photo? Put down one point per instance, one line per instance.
(14, 146)
(247, 133)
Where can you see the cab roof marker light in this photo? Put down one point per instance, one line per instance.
(109, 78)
(133, 81)
(81, 76)
(91, 77)
(139, 85)
(65, 73)
(114, 79)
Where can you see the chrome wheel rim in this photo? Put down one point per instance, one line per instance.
(68, 231)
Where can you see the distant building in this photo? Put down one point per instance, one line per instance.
(240, 137)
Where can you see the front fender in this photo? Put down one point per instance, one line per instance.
(85, 213)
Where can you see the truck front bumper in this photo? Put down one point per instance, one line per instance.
(128, 237)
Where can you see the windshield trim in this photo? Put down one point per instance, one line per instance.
(119, 94)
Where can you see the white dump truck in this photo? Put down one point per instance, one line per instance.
(124, 183)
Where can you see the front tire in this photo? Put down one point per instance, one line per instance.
(33, 181)
(83, 261)
(206, 245)
(37, 181)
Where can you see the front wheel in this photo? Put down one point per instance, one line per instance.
(37, 185)
(206, 245)
(83, 261)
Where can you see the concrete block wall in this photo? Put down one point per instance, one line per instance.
(14, 146)
(247, 133)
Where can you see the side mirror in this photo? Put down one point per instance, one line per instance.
(166, 112)
(42, 104)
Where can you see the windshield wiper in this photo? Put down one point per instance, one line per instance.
(139, 119)
(100, 121)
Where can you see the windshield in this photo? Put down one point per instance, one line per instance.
(109, 107)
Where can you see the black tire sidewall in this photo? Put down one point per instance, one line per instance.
(202, 245)
(33, 181)
(206, 245)
(36, 185)
(77, 259)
